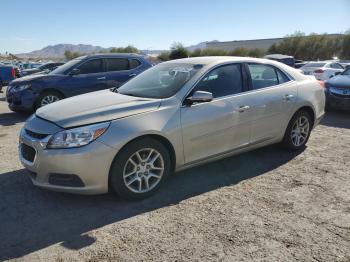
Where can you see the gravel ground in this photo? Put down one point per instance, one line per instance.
(266, 205)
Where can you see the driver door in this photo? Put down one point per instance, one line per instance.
(91, 77)
(212, 128)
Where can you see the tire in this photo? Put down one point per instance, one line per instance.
(123, 171)
(290, 140)
(48, 96)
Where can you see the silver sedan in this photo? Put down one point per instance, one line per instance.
(175, 115)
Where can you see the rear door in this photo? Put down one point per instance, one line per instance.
(271, 100)
(213, 128)
(91, 77)
(120, 70)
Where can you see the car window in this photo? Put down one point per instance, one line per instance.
(337, 66)
(134, 63)
(91, 67)
(223, 81)
(262, 76)
(117, 64)
(282, 78)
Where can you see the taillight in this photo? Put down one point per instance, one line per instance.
(322, 84)
(319, 71)
(13, 73)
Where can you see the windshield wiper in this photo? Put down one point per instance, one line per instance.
(114, 89)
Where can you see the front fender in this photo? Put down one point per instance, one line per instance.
(164, 122)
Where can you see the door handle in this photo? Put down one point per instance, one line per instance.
(132, 74)
(287, 97)
(101, 78)
(243, 108)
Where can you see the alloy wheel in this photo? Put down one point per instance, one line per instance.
(300, 131)
(143, 170)
(48, 100)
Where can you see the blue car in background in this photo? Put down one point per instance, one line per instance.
(7, 74)
(78, 76)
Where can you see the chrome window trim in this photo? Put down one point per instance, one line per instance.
(291, 80)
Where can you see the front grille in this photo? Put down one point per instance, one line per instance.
(35, 135)
(340, 95)
(28, 153)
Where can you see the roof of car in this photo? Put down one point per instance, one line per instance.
(278, 56)
(126, 55)
(217, 60)
(206, 60)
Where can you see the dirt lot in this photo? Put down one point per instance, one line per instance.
(266, 205)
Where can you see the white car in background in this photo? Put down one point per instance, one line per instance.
(322, 70)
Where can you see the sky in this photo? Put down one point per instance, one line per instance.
(155, 24)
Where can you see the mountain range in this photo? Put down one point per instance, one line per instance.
(57, 51)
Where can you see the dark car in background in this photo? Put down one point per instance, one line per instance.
(45, 68)
(78, 76)
(338, 91)
(284, 59)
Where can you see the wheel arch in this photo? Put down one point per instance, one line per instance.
(161, 139)
(48, 90)
(310, 110)
(45, 91)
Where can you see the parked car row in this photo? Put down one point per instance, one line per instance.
(45, 68)
(172, 116)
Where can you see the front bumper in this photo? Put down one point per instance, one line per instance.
(89, 164)
(337, 101)
(23, 100)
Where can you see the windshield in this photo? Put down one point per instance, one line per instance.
(315, 65)
(61, 70)
(161, 81)
(42, 67)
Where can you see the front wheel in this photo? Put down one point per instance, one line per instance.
(140, 169)
(298, 131)
(48, 98)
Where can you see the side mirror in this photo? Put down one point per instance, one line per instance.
(337, 73)
(74, 72)
(199, 97)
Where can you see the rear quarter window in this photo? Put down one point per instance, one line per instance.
(134, 63)
(263, 76)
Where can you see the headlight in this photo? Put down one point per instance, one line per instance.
(77, 137)
(20, 88)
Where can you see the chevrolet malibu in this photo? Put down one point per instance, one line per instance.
(173, 116)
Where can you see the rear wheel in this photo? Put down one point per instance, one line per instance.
(298, 131)
(140, 169)
(48, 98)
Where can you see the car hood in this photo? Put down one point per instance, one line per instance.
(339, 81)
(95, 107)
(36, 77)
